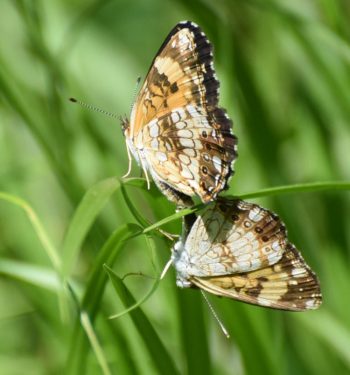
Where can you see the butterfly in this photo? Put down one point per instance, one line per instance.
(240, 250)
(177, 132)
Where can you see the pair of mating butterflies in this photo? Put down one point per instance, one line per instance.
(179, 135)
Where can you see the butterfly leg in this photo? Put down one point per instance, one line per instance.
(144, 168)
(130, 161)
(169, 236)
(166, 268)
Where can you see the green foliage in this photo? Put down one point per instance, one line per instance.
(86, 246)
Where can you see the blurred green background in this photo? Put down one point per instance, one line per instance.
(284, 69)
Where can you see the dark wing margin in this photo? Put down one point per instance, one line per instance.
(217, 116)
(289, 284)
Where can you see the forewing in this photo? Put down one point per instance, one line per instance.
(233, 236)
(187, 139)
(287, 285)
(182, 73)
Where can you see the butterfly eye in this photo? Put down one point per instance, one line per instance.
(205, 170)
(204, 134)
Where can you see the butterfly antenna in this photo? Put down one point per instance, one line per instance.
(127, 146)
(166, 268)
(93, 108)
(223, 329)
(135, 92)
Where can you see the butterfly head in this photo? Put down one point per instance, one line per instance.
(181, 263)
(125, 123)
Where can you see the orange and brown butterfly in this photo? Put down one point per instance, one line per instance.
(177, 133)
(240, 250)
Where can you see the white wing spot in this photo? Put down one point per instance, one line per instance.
(161, 156)
(175, 117)
(186, 174)
(298, 272)
(180, 125)
(185, 159)
(154, 131)
(185, 133)
(186, 142)
(192, 110)
(217, 163)
(256, 214)
(276, 246)
(198, 144)
(155, 144)
(190, 152)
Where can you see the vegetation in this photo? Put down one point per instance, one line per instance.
(73, 246)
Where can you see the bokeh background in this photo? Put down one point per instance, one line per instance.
(284, 69)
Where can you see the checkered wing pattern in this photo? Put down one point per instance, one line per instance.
(176, 127)
(239, 250)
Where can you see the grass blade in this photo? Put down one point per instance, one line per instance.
(28, 273)
(159, 354)
(329, 330)
(87, 211)
(298, 188)
(91, 302)
(49, 248)
(85, 322)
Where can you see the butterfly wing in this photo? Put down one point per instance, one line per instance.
(188, 153)
(233, 236)
(289, 284)
(186, 138)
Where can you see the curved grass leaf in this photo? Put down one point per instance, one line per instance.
(287, 189)
(90, 206)
(86, 324)
(330, 331)
(194, 338)
(298, 188)
(159, 354)
(135, 212)
(151, 246)
(28, 273)
(91, 302)
(49, 248)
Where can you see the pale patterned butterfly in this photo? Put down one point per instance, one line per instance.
(240, 250)
(177, 132)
